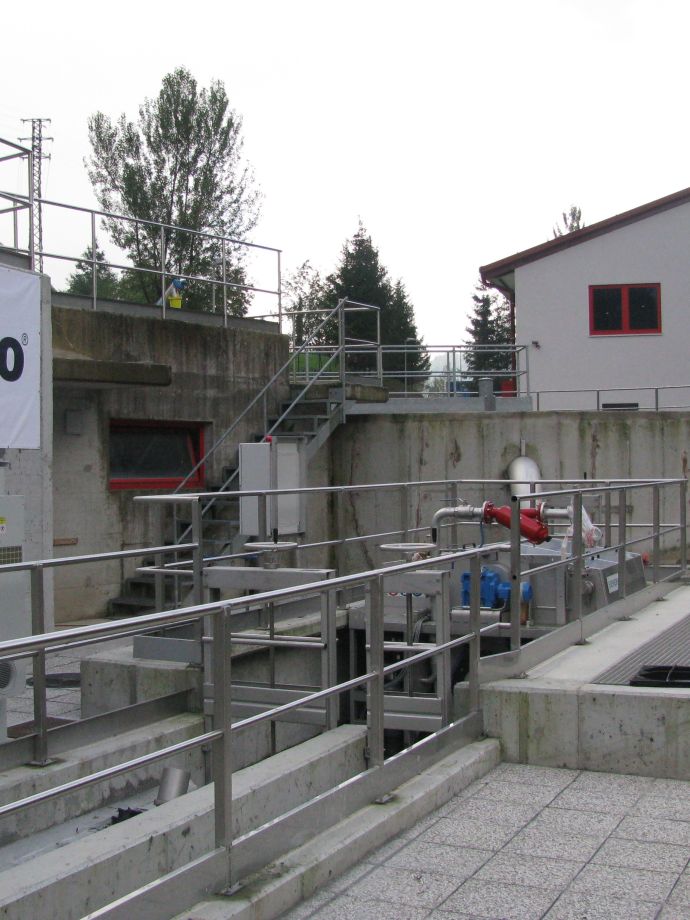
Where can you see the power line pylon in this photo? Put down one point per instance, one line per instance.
(37, 157)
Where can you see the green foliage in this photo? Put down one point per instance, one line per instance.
(360, 277)
(81, 279)
(179, 164)
(572, 220)
(489, 326)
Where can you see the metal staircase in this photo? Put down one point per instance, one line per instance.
(315, 407)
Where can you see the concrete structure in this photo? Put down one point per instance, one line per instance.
(578, 342)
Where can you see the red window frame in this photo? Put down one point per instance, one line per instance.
(195, 443)
(625, 309)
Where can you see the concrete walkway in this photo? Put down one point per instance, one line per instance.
(528, 842)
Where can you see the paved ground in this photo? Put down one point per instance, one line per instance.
(530, 842)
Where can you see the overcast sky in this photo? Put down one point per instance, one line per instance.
(458, 132)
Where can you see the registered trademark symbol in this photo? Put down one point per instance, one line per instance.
(25, 338)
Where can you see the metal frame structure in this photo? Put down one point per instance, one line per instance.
(227, 622)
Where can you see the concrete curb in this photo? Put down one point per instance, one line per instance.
(283, 884)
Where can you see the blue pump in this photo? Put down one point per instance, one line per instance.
(492, 591)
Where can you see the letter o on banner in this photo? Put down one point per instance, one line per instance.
(11, 368)
(21, 402)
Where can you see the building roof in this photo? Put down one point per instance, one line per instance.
(500, 274)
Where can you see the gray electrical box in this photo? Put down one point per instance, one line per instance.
(276, 464)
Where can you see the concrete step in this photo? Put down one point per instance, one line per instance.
(297, 876)
(82, 876)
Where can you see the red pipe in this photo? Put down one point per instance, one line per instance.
(531, 527)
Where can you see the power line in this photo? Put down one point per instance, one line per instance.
(37, 157)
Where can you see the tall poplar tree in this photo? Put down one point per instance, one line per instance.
(180, 163)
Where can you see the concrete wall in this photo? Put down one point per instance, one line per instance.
(215, 374)
(568, 445)
(552, 308)
(29, 472)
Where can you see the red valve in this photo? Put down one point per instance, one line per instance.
(532, 527)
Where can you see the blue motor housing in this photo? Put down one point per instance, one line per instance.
(492, 592)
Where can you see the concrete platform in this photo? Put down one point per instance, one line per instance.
(559, 715)
(524, 843)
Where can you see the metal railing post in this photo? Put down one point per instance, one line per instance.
(262, 504)
(622, 530)
(576, 551)
(329, 659)
(40, 752)
(379, 354)
(683, 526)
(197, 552)
(454, 534)
(280, 293)
(163, 285)
(515, 562)
(455, 375)
(444, 684)
(405, 511)
(94, 264)
(607, 515)
(655, 534)
(223, 262)
(32, 194)
(375, 695)
(222, 747)
(475, 625)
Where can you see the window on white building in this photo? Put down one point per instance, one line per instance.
(624, 309)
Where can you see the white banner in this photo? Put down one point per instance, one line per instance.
(20, 359)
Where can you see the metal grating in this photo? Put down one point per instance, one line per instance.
(670, 647)
(9, 554)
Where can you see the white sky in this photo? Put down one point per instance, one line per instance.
(457, 131)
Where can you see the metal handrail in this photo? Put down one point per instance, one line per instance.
(598, 391)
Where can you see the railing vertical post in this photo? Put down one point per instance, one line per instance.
(404, 511)
(224, 270)
(379, 355)
(329, 660)
(159, 559)
(622, 530)
(262, 524)
(280, 294)
(683, 526)
(454, 535)
(163, 284)
(598, 400)
(655, 534)
(515, 563)
(197, 552)
(444, 683)
(375, 686)
(342, 357)
(475, 625)
(15, 227)
(222, 747)
(607, 515)
(40, 752)
(32, 203)
(455, 375)
(94, 264)
(656, 398)
(576, 551)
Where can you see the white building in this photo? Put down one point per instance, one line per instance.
(606, 309)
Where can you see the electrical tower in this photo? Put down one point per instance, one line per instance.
(37, 157)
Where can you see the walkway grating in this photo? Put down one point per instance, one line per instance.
(670, 647)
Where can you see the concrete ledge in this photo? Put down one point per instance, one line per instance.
(283, 884)
(559, 716)
(89, 873)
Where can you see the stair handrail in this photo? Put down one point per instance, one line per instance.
(261, 394)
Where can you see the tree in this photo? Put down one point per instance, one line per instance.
(489, 326)
(81, 279)
(361, 277)
(572, 220)
(180, 164)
